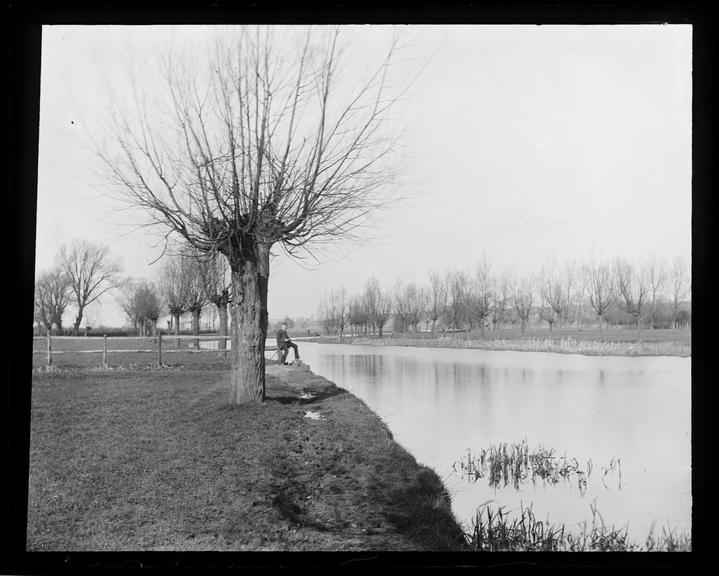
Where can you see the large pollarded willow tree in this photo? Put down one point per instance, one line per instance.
(261, 141)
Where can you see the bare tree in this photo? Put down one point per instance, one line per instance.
(481, 295)
(141, 303)
(456, 311)
(568, 276)
(501, 300)
(378, 305)
(217, 285)
(436, 298)
(92, 272)
(599, 281)
(196, 269)
(633, 290)
(326, 315)
(656, 275)
(522, 295)
(174, 287)
(408, 306)
(52, 296)
(679, 285)
(553, 294)
(340, 308)
(358, 315)
(253, 146)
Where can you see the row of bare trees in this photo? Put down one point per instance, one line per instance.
(190, 281)
(83, 272)
(560, 296)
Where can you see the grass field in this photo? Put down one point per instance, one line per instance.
(158, 460)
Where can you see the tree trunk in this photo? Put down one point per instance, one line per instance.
(176, 319)
(196, 327)
(222, 313)
(249, 326)
(76, 326)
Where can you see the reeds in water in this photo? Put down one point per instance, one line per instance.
(514, 464)
(499, 531)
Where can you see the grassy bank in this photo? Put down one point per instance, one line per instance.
(590, 342)
(158, 460)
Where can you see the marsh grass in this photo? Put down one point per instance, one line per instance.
(516, 464)
(563, 345)
(500, 531)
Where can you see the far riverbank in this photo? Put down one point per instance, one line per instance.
(590, 342)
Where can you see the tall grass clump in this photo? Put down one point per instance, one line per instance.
(513, 464)
(499, 531)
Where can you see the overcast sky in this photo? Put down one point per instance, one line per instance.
(522, 143)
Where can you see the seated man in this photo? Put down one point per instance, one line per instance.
(284, 344)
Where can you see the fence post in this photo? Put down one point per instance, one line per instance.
(159, 349)
(49, 349)
(104, 350)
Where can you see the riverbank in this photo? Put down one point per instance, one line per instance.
(158, 460)
(560, 345)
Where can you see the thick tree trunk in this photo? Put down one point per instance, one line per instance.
(249, 326)
(222, 313)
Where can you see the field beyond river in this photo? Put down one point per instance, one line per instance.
(591, 342)
(157, 459)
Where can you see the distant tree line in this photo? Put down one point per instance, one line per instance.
(189, 282)
(649, 294)
(82, 273)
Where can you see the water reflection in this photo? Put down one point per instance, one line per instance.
(439, 403)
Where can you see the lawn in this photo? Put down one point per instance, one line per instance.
(158, 460)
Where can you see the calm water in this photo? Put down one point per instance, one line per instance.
(439, 403)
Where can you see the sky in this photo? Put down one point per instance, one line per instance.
(520, 144)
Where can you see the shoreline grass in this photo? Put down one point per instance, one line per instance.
(499, 531)
(563, 345)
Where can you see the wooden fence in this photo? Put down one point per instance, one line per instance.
(49, 352)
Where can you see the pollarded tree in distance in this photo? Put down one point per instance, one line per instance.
(378, 305)
(632, 286)
(522, 295)
(92, 272)
(174, 287)
(599, 281)
(196, 269)
(680, 286)
(52, 296)
(656, 275)
(552, 291)
(480, 295)
(254, 144)
(141, 303)
(456, 310)
(217, 287)
(436, 298)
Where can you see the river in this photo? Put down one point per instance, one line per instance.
(634, 411)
